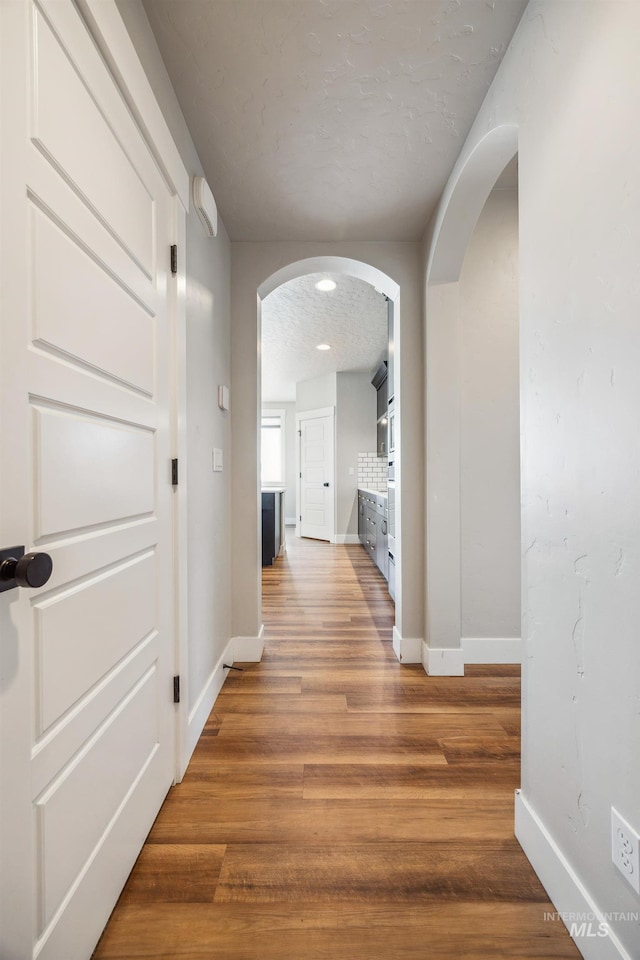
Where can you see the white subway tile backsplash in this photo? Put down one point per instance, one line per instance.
(372, 471)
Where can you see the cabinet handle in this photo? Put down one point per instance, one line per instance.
(384, 528)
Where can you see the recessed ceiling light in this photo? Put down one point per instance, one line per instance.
(326, 285)
(323, 346)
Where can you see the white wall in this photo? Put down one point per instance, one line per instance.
(316, 394)
(209, 364)
(209, 525)
(571, 80)
(355, 433)
(289, 454)
(490, 424)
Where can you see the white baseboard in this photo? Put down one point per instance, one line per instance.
(249, 649)
(245, 649)
(492, 649)
(442, 662)
(290, 521)
(571, 899)
(204, 704)
(346, 538)
(406, 649)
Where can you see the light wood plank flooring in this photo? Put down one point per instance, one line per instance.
(340, 806)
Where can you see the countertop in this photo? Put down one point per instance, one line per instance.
(273, 489)
(373, 493)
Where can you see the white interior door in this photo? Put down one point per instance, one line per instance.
(86, 662)
(317, 488)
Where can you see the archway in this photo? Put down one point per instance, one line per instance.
(340, 265)
(462, 204)
(395, 269)
(385, 285)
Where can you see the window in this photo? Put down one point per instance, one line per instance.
(272, 448)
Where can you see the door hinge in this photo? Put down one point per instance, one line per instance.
(301, 518)
(299, 433)
(301, 475)
(176, 689)
(174, 258)
(174, 473)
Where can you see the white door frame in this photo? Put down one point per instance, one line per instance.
(310, 415)
(112, 39)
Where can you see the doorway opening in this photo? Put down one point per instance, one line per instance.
(490, 601)
(472, 402)
(330, 419)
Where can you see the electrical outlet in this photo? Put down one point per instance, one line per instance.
(625, 849)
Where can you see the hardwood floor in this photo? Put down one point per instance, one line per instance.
(340, 805)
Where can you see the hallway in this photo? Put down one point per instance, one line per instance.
(340, 805)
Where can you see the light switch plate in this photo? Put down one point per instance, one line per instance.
(217, 460)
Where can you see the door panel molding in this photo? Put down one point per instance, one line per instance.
(312, 520)
(89, 433)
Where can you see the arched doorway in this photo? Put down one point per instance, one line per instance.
(385, 285)
(462, 205)
(257, 269)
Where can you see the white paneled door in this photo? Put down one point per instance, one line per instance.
(86, 662)
(317, 492)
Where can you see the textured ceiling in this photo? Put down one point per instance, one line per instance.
(296, 317)
(330, 119)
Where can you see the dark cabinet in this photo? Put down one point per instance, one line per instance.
(272, 526)
(381, 400)
(390, 366)
(380, 383)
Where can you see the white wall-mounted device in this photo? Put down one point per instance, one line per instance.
(223, 397)
(205, 206)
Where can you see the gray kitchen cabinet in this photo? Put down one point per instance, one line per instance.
(362, 517)
(382, 538)
(373, 528)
